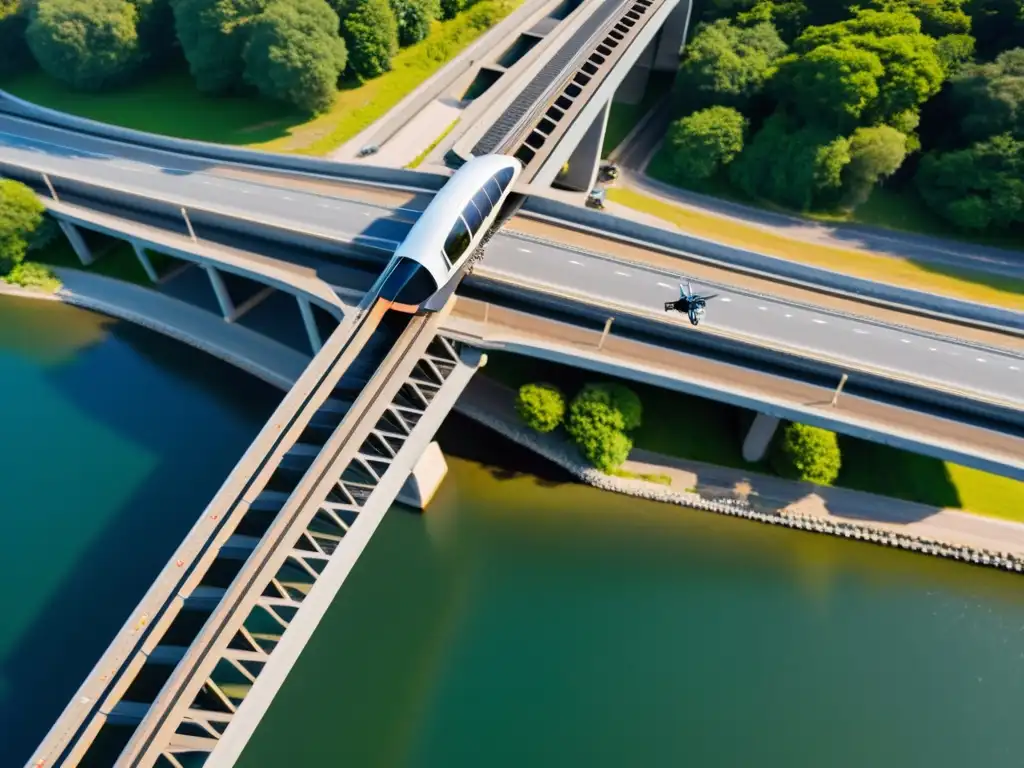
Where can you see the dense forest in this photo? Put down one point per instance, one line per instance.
(811, 103)
(295, 51)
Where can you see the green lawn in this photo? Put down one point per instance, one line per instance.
(622, 118)
(114, 258)
(169, 104)
(704, 430)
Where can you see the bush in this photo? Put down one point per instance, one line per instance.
(598, 416)
(606, 449)
(371, 35)
(807, 453)
(21, 217)
(626, 402)
(541, 406)
(414, 18)
(88, 44)
(30, 274)
(450, 9)
(705, 141)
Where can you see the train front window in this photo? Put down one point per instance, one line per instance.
(408, 283)
(474, 217)
(458, 241)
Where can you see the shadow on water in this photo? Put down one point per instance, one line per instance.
(193, 417)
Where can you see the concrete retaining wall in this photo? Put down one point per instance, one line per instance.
(678, 243)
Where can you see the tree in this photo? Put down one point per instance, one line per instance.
(413, 18)
(540, 406)
(797, 166)
(88, 44)
(989, 98)
(21, 218)
(938, 17)
(832, 84)
(13, 23)
(598, 416)
(954, 52)
(294, 54)
(371, 35)
(450, 8)
(606, 449)
(156, 18)
(875, 153)
(702, 143)
(727, 64)
(997, 25)
(627, 402)
(213, 36)
(978, 188)
(807, 453)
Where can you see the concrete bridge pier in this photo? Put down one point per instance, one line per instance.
(147, 265)
(81, 248)
(755, 446)
(672, 37)
(586, 158)
(227, 306)
(425, 478)
(306, 309)
(633, 86)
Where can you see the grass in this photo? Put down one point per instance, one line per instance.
(169, 104)
(693, 428)
(423, 155)
(622, 118)
(114, 258)
(965, 284)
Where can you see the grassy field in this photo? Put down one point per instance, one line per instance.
(964, 284)
(689, 427)
(169, 103)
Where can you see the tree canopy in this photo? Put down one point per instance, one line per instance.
(88, 44)
(294, 53)
(802, 452)
(705, 141)
(371, 34)
(21, 218)
(597, 420)
(875, 153)
(540, 406)
(413, 19)
(213, 35)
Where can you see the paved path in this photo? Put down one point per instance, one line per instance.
(265, 358)
(635, 157)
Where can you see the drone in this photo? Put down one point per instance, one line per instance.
(689, 303)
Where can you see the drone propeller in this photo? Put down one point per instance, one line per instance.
(712, 296)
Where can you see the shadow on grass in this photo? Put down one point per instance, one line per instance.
(888, 471)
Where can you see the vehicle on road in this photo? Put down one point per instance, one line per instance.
(429, 263)
(369, 149)
(596, 199)
(690, 304)
(608, 172)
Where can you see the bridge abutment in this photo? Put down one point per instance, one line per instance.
(759, 437)
(425, 479)
(74, 236)
(586, 157)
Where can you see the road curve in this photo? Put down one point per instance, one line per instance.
(901, 351)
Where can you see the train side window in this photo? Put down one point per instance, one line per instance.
(447, 261)
(483, 203)
(473, 217)
(458, 241)
(504, 177)
(493, 191)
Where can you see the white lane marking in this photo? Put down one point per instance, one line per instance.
(763, 309)
(325, 205)
(861, 331)
(980, 359)
(287, 197)
(788, 315)
(931, 349)
(523, 250)
(573, 261)
(665, 285)
(725, 299)
(820, 322)
(904, 341)
(623, 274)
(1014, 368)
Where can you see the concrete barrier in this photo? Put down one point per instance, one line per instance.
(418, 180)
(680, 244)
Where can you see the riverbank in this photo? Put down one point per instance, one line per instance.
(850, 514)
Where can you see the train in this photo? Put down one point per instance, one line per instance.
(428, 264)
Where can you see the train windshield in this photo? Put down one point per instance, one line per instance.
(408, 283)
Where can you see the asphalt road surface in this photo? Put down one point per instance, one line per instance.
(901, 351)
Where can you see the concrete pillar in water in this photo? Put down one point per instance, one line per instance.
(147, 265)
(585, 159)
(309, 320)
(425, 479)
(227, 307)
(78, 243)
(755, 446)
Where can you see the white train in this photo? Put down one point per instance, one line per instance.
(427, 265)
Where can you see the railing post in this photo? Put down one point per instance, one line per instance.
(604, 333)
(49, 186)
(188, 223)
(839, 389)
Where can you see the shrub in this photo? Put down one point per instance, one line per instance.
(598, 418)
(627, 402)
(21, 217)
(30, 274)
(371, 35)
(541, 406)
(807, 453)
(605, 448)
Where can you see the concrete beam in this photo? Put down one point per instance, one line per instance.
(673, 38)
(227, 306)
(78, 243)
(634, 84)
(147, 265)
(315, 342)
(425, 478)
(586, 158)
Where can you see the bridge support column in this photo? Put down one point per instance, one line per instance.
(634, 84)
(672, 37)
(755, 446)
(81, 248)
(227, 306)
(584, 160)
(147, 265)
(425, 479)
(306, 309)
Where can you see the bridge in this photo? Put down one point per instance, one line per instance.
(208, 641)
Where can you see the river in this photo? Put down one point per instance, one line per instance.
(523, 620)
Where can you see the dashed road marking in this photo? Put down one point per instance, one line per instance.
(664, 285)
(980, 359)
(931, 349)
(623, 274)
(573, 261)
(1014, 368)
(523, 250)
(726, 299)
(904, 341)
(820, 322)
(763, 309)
(861, 331)
(787, 315)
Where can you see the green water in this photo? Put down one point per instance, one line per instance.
(112, 440)
(523, 621)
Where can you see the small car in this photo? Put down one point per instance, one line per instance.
(596, 199)
(608, 172)
(369, 149)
